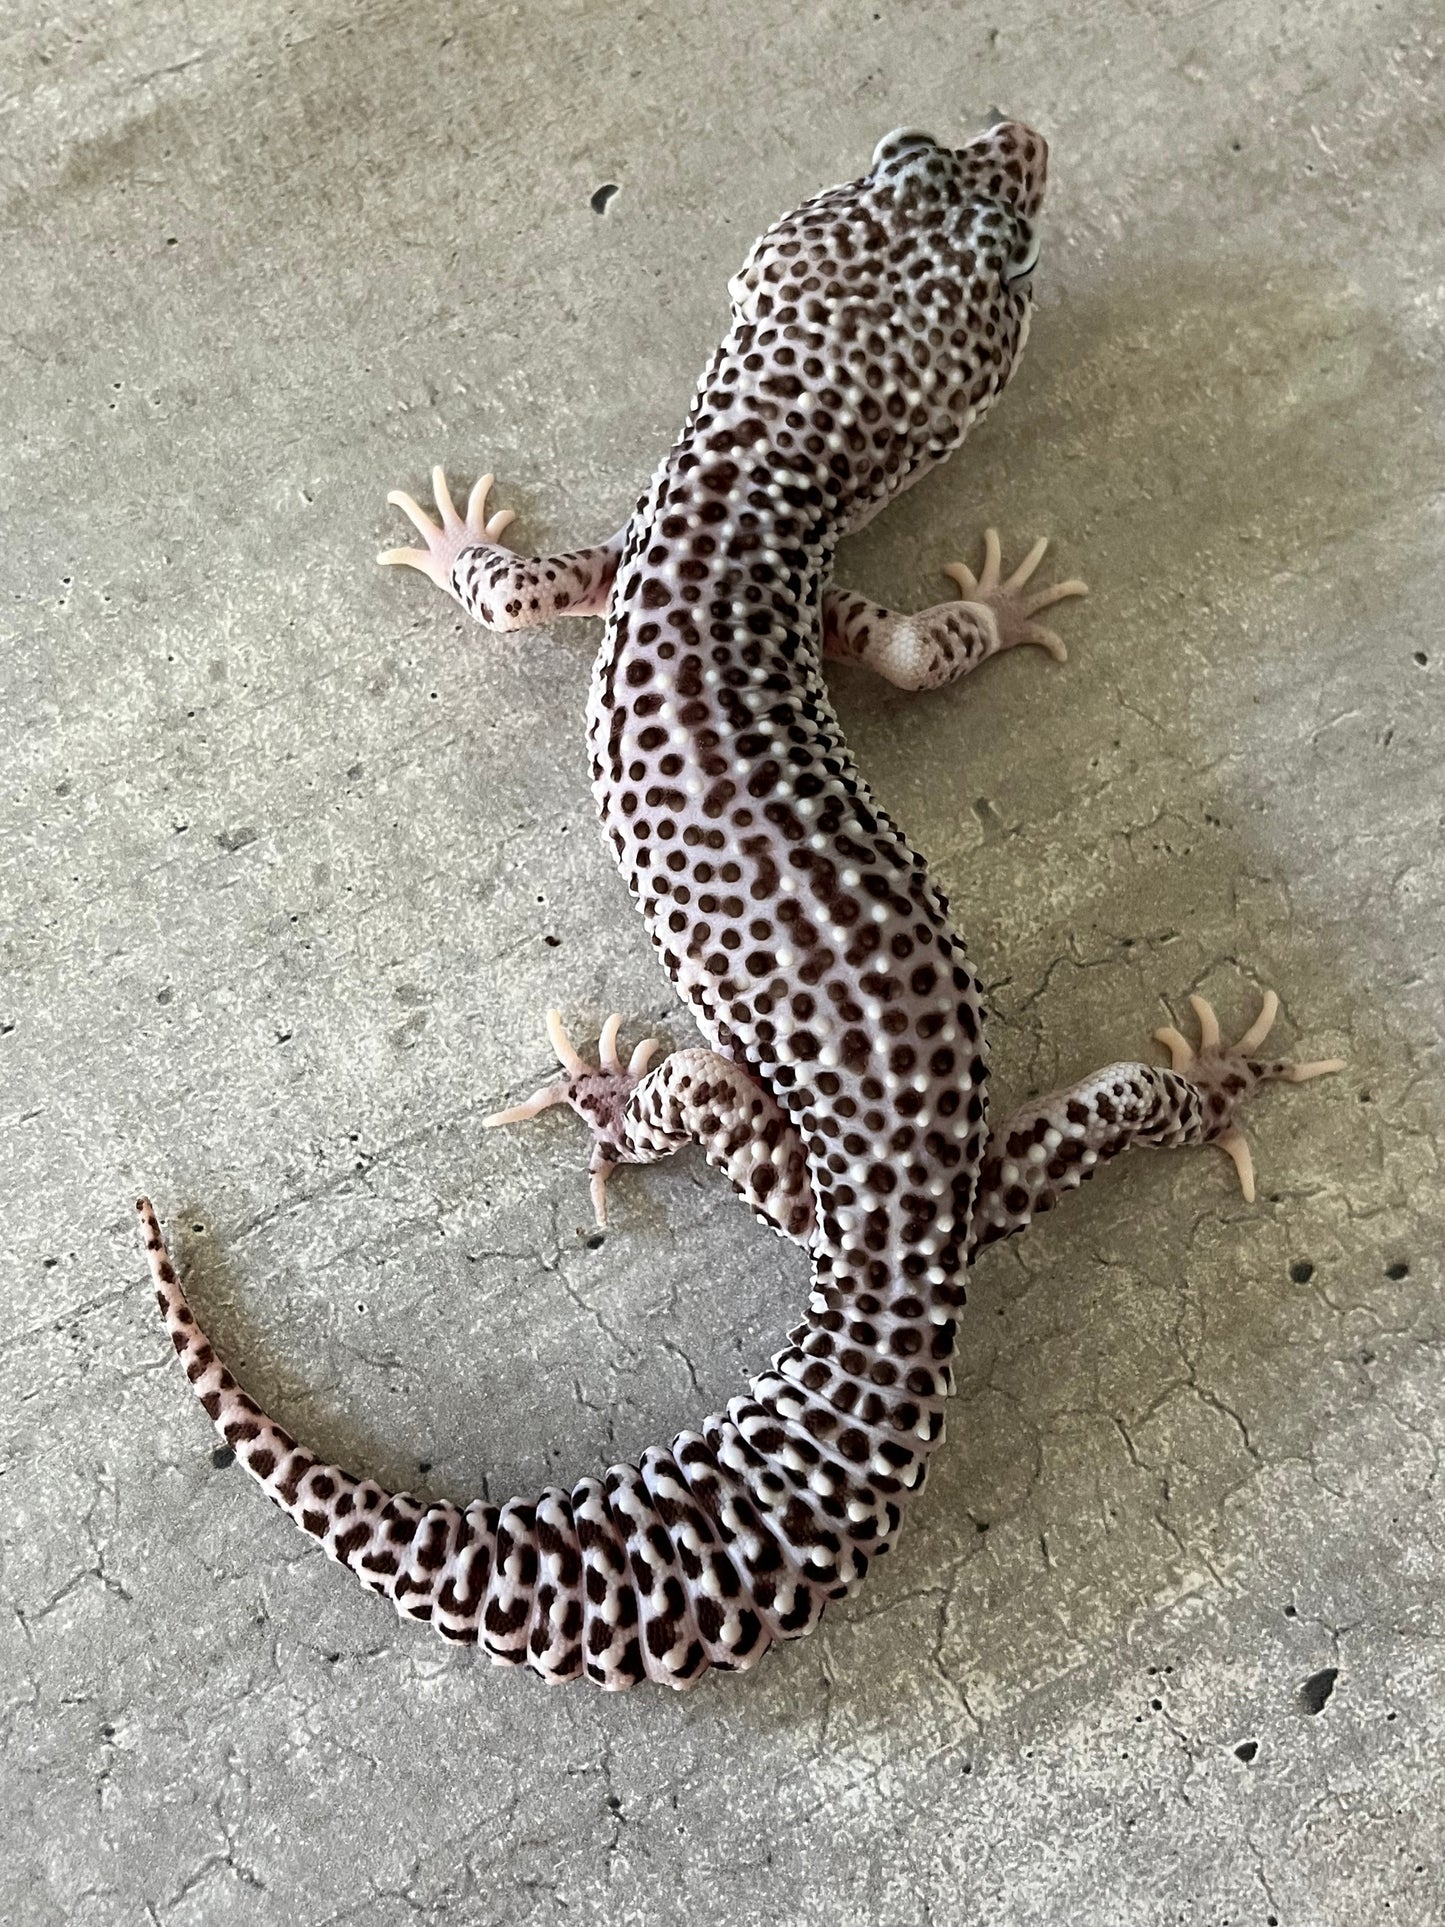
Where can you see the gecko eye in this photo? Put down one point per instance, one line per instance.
(1027, 265)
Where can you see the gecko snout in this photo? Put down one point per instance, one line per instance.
(1005, 168)
(1009, 162)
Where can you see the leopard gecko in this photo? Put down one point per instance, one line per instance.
(843, 1090)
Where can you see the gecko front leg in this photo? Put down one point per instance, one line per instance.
(468, 561)
(939, 645)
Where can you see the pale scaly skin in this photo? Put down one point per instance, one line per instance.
(844, 1090)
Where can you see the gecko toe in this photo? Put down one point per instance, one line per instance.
(1235, 1147)
(1026, 568)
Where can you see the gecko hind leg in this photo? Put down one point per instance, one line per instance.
(1051, 1145)
(1034, 1158)
(598, 1093)
(640, 1116)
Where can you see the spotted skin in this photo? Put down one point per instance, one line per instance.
(843, 1090)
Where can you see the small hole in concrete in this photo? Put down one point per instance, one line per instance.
(1246, 1750)
(1398, 1270)
(603, 195)
(1301, 1271)
(222, 1457)
(1315, 1693)
(1421, 657)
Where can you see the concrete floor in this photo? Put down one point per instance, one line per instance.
(292, 863)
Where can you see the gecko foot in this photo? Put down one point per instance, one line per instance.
(1010, 608)
(1228, 1073)
(598, 1094)
(457, 532)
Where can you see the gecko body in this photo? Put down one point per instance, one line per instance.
(843, 1089)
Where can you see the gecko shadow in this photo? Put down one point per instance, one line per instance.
(1185, 412)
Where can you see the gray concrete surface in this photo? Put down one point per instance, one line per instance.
(291, 865)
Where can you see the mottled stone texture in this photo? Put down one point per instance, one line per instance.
(292, 861)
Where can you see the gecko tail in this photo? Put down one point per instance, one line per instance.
(625, 1578)
(393, 1544)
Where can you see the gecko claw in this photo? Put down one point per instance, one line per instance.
(1030, 562)
(1260, 1028)
(642, 1056)
(1180, 1049)
(442, 496)
(568, 1056)
(599, 1094)
(539, 1101)
(602, 1170)
(607, 1044)
(1226, 1074)
(1235, 1146)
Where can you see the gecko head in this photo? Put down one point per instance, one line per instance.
(945, 238)
(986, 195)
(973, 212)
